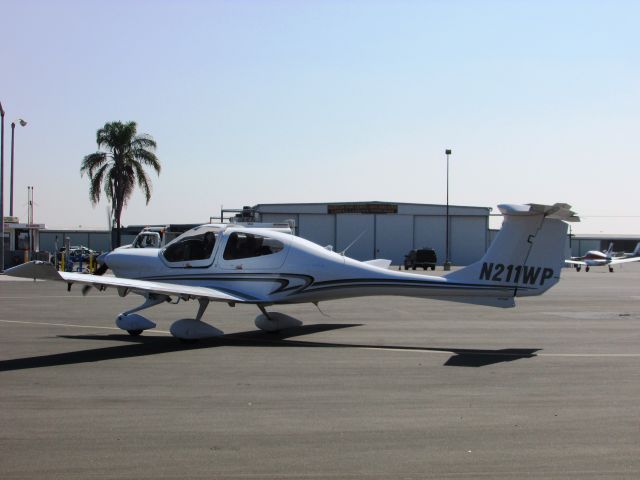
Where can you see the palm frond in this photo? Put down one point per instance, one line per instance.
(143, 141)
(96, 183)
(147, 158)
(91, 162)
(143, 180)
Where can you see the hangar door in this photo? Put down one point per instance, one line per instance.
(394, 237)
(430, 233)
(349, 228)
(468, 237)
(319, 229)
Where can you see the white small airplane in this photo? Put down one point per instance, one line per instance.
(596, 258)
(230, 264)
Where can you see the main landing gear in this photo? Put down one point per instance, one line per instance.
(191, 329)
(136, 324)
(274, 321)
(185, 329)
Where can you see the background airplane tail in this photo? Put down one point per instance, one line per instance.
(528, 252)
(609, 250)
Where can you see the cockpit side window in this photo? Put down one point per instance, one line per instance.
(192, 247)
(249, 245)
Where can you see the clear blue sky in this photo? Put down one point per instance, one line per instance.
(312, 101)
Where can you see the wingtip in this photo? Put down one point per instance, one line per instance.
(35, 269)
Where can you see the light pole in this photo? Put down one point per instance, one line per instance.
(447, 261)
(13, 129)
(30, 219)
(2, 191)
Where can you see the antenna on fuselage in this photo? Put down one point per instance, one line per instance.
(352, 243)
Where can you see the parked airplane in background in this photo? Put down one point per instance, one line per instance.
(595, 258)
(263, 267)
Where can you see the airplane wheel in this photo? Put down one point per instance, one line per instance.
(611, 270)
(278, 321)
(577, 269)
(586, 269)
(135, 333)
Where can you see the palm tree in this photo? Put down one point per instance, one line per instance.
(117, 169)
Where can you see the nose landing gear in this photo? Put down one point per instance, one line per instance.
(135, 324)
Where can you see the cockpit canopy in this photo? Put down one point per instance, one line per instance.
(195, 244)
(195, 248)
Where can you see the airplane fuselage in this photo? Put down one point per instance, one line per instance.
(299, 271)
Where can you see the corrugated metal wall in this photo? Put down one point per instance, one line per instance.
(389, 236)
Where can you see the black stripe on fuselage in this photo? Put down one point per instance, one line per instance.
(310, 286)
(407, 283)
(283, 279)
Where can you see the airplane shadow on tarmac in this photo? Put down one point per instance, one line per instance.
(154, 345)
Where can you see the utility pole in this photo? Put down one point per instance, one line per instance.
(2, 191)
(13, 130)
(447, 260)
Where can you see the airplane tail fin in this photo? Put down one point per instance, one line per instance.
(528, 252)
(636, 251)
(609, 250)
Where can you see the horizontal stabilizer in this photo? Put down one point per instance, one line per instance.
(558, 211)
(379, 262)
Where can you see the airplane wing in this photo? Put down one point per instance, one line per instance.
(615, 261)
(576, 262)
(46, 271)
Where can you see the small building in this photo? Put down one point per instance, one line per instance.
(98, 240)
(21, 241)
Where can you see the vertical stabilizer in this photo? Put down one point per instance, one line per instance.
(609, 250)
(528, 252)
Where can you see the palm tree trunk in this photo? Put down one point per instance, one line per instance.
(119, 203)
(118, 232)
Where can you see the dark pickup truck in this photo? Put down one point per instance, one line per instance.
(422, 257)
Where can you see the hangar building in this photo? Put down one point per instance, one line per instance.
(386, 230)
(582, 243)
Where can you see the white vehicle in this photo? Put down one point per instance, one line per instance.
(232, 264)
(153, 237)
(595, 258)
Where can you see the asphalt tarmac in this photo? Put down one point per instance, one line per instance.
(378, 388)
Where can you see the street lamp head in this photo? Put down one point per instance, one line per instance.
(447, 151)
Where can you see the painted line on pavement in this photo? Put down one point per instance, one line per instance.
(399, 349)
